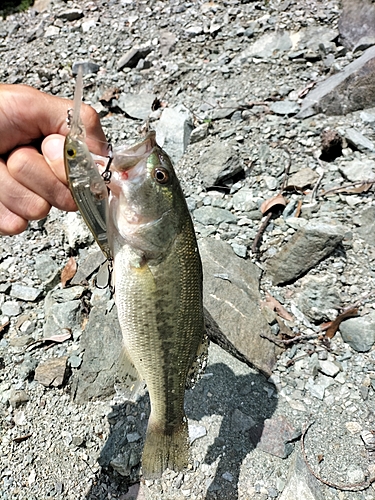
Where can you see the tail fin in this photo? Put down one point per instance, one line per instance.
(164, 450)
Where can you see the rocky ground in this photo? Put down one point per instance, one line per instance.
(265, 106)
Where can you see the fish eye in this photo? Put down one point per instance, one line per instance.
(71, 152)
(161, 175)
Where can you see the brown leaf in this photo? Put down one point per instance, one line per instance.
(19, 439)
(69, 271)
(55, 338)
(275, 305)
(363, 188)
(4, 326)
(277, 200)
(332, 329)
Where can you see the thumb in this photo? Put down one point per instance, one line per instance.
(53, 152)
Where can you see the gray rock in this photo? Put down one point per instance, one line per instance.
(276, 436)
(218, 163)
(76, 230)
(62, 310)
(267, 46)
(305, 177)
(88, 266)
(11, 308)
(358, 140)
(357, 24)
(52, 372)
(26, 293)
(131, 58)
(308, 246)
(351, 89)
(18, 397)
(213, 215)
(284, 107)
(167, 40)
(328, 368)
(244, 200)
(358, 170)
(70, 14)
(240, 250)
(359, 333)
(367, 117)
(235, 301)
(136, 105)
(301, 484)
(98, 372)
(318, 297)
(88, 67)
(366, 222)
(47, 270)
(173, 131)
(240, 422)
(196, 432)
(199, 133)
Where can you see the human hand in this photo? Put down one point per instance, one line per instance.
(32, 182)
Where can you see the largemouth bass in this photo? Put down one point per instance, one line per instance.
(86, 184)
(158, 292)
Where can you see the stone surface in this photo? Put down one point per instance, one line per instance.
(366, 222)
(284, 107)
(359, 333)
(131, 58)
(267, 46)
(52, 372)
(350, 89)
(301, 483)
(136, 105)
(357, 24)
(318, 297)
(62, 310)
(308, 246)
(358, 170)
(97, 374)
(276, 437)
(233, 303)
(26, 293)
(213, 215)
(218, 163)
(88, 67)
(305, 177)
(358, 140)
(173, 131)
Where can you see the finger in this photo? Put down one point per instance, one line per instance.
(32, 114)
(19, 200)
(27, 166)
(10, 223)
(53, 152)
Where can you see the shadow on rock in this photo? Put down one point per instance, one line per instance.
(242, 403)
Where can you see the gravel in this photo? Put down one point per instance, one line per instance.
(237, 68)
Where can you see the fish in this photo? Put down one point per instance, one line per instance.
(158, 292)
(86, 184)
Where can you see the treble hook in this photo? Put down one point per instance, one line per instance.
(107, 173)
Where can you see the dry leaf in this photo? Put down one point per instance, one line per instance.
(19, 439)
(5, 325)
(363, 188)
(55, 338)
(334, 326)
(278, 200)
(69, 271)
(275, 305)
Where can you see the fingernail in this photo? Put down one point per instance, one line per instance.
(53, 148)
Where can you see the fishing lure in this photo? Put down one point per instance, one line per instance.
(87, 185)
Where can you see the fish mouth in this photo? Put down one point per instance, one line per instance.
(126, 159)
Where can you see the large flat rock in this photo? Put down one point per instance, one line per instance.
(357, 24)
(351, 89)
(231, 297)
